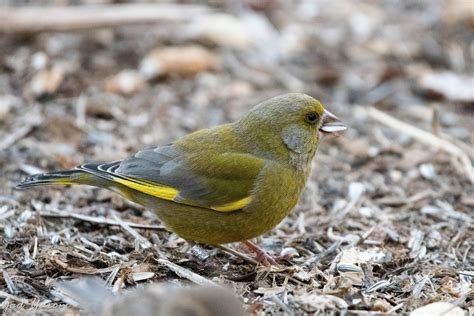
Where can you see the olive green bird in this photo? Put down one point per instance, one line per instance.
(220, 185)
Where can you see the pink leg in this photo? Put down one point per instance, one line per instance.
(261, 255)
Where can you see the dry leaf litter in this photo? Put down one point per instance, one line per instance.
(385, 223)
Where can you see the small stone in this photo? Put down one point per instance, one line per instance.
(289, 252)
(366, 211)
(39, 60)
(126, 82)
(356, 189)
(178, 60)
(427, 171)
(220, 29)
(47, 81)
(396, 175)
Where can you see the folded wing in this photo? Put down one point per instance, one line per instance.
(219, 181)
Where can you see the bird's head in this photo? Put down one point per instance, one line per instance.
(289, 125)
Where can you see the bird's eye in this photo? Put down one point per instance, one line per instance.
(312, 117)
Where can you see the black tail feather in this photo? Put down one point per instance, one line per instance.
(62, 177)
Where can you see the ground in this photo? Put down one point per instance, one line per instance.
(385, 221)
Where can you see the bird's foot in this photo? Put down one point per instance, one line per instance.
(260, 255)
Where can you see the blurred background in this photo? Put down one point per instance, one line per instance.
(88, 81)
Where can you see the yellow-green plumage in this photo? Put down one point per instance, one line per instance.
(229, 183)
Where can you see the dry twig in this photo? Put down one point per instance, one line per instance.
(424, 137)
(41, 19)
(15, 135)
(144, 243)
(58, 261)
(185, 273)
(237, 254)
(98, 220)
(14, 298)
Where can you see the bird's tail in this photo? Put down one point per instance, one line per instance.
(60, 178)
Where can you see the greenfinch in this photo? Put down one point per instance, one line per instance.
(225, 184)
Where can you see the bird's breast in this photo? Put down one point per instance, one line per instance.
(275, 194)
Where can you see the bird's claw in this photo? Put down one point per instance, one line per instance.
(261, 255)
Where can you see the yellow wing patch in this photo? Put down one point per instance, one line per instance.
(160, 191)
(233, 206)
(169, 193)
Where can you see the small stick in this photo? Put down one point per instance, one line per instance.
(144, 243)
(436, 128)
(73, 18)
(394, 309)
(185, 273)
(98, 220)
(55, 258)
(110, 279)
(15, 135)
(435, 124)
(18, 299)
(311, 262)
(35, 248)
(424, 137)
(282, 305)
(96, 247)
(237, 254)
(10, 285)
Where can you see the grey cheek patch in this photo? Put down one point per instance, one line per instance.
(295, 138)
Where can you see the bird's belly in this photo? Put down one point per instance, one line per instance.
(213, 227)
(271, 203)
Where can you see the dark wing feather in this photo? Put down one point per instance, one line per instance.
(163, 165)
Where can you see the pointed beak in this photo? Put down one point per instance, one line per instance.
(331, 123)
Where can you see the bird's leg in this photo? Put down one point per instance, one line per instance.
(260, 255)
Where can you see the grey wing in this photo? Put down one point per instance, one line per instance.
(164, 165)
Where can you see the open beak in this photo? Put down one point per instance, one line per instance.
(331, 123)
